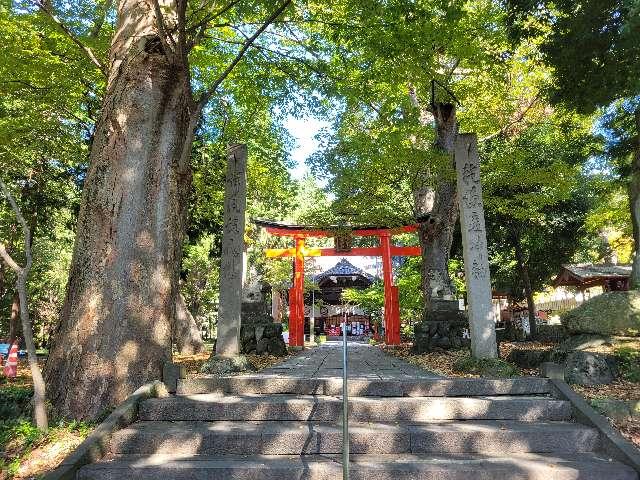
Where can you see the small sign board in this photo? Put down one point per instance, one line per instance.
(343, 242)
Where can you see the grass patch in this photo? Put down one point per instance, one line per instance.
(485, 367)
(28, 453)
(25, 451)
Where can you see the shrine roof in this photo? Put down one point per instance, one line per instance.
(582, 273)
(344, 268)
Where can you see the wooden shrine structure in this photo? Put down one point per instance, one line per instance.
(342, 247)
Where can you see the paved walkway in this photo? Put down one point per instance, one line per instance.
(364, 361)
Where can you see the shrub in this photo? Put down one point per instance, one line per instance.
(407, 332)
(628, 360)
(15, 402)
(485, 367)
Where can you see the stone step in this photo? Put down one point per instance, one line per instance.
(424, 387)
(362, 467)
(213, 407)
(295, 438)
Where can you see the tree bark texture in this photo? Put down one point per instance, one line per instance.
(14, 319)
(115, 328)
(186, 334)
(436, 230)
(634, 203)
(276, 305)
(526, 282)
(39, 389)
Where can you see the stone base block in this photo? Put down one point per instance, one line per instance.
(443, 329)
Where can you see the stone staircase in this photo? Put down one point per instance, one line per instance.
(272, 426)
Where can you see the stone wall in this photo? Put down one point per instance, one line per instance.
(258, 332)
(443, 328)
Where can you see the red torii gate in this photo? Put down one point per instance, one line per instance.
(385, 249)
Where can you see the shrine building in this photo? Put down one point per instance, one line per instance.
(330, 306)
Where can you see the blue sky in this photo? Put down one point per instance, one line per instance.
(303, 130)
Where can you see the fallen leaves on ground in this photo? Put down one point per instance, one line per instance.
(23, 375)
(440, 362)
(507, 347)
(260, 362)
(193, 363)
(620, 390)
(630, 430)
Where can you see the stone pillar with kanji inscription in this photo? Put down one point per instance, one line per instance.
(474, 242)
(235, 200)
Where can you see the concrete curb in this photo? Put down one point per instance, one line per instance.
(95, 446)
(612, 443)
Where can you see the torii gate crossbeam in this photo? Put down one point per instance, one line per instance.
(385, 249)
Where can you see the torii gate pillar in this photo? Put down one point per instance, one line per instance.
(296, 298)
(391, 300)
(385, 249)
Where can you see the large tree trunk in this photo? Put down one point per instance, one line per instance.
(436, 232)
(186, 333)
(526, 282)
(14, 319)
(115, 329)
(634, 203)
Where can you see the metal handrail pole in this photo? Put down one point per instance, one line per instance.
(345, 403)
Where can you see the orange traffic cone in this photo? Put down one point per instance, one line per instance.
(11, 368)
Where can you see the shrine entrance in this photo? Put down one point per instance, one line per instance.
(342, 248)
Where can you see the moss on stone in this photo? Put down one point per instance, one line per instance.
(485, 367)
(612, 313)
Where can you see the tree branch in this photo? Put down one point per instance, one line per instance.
(518, 119)
(182, 48)
(207, 95)
(201, 27)
(7, 258)
(98, 22)
(87, 51)
(27, 235)
(165, 39)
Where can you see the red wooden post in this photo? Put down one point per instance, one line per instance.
(394, 338)
(385, 249)
(293, 312)
(296, 309)
(391, 310)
